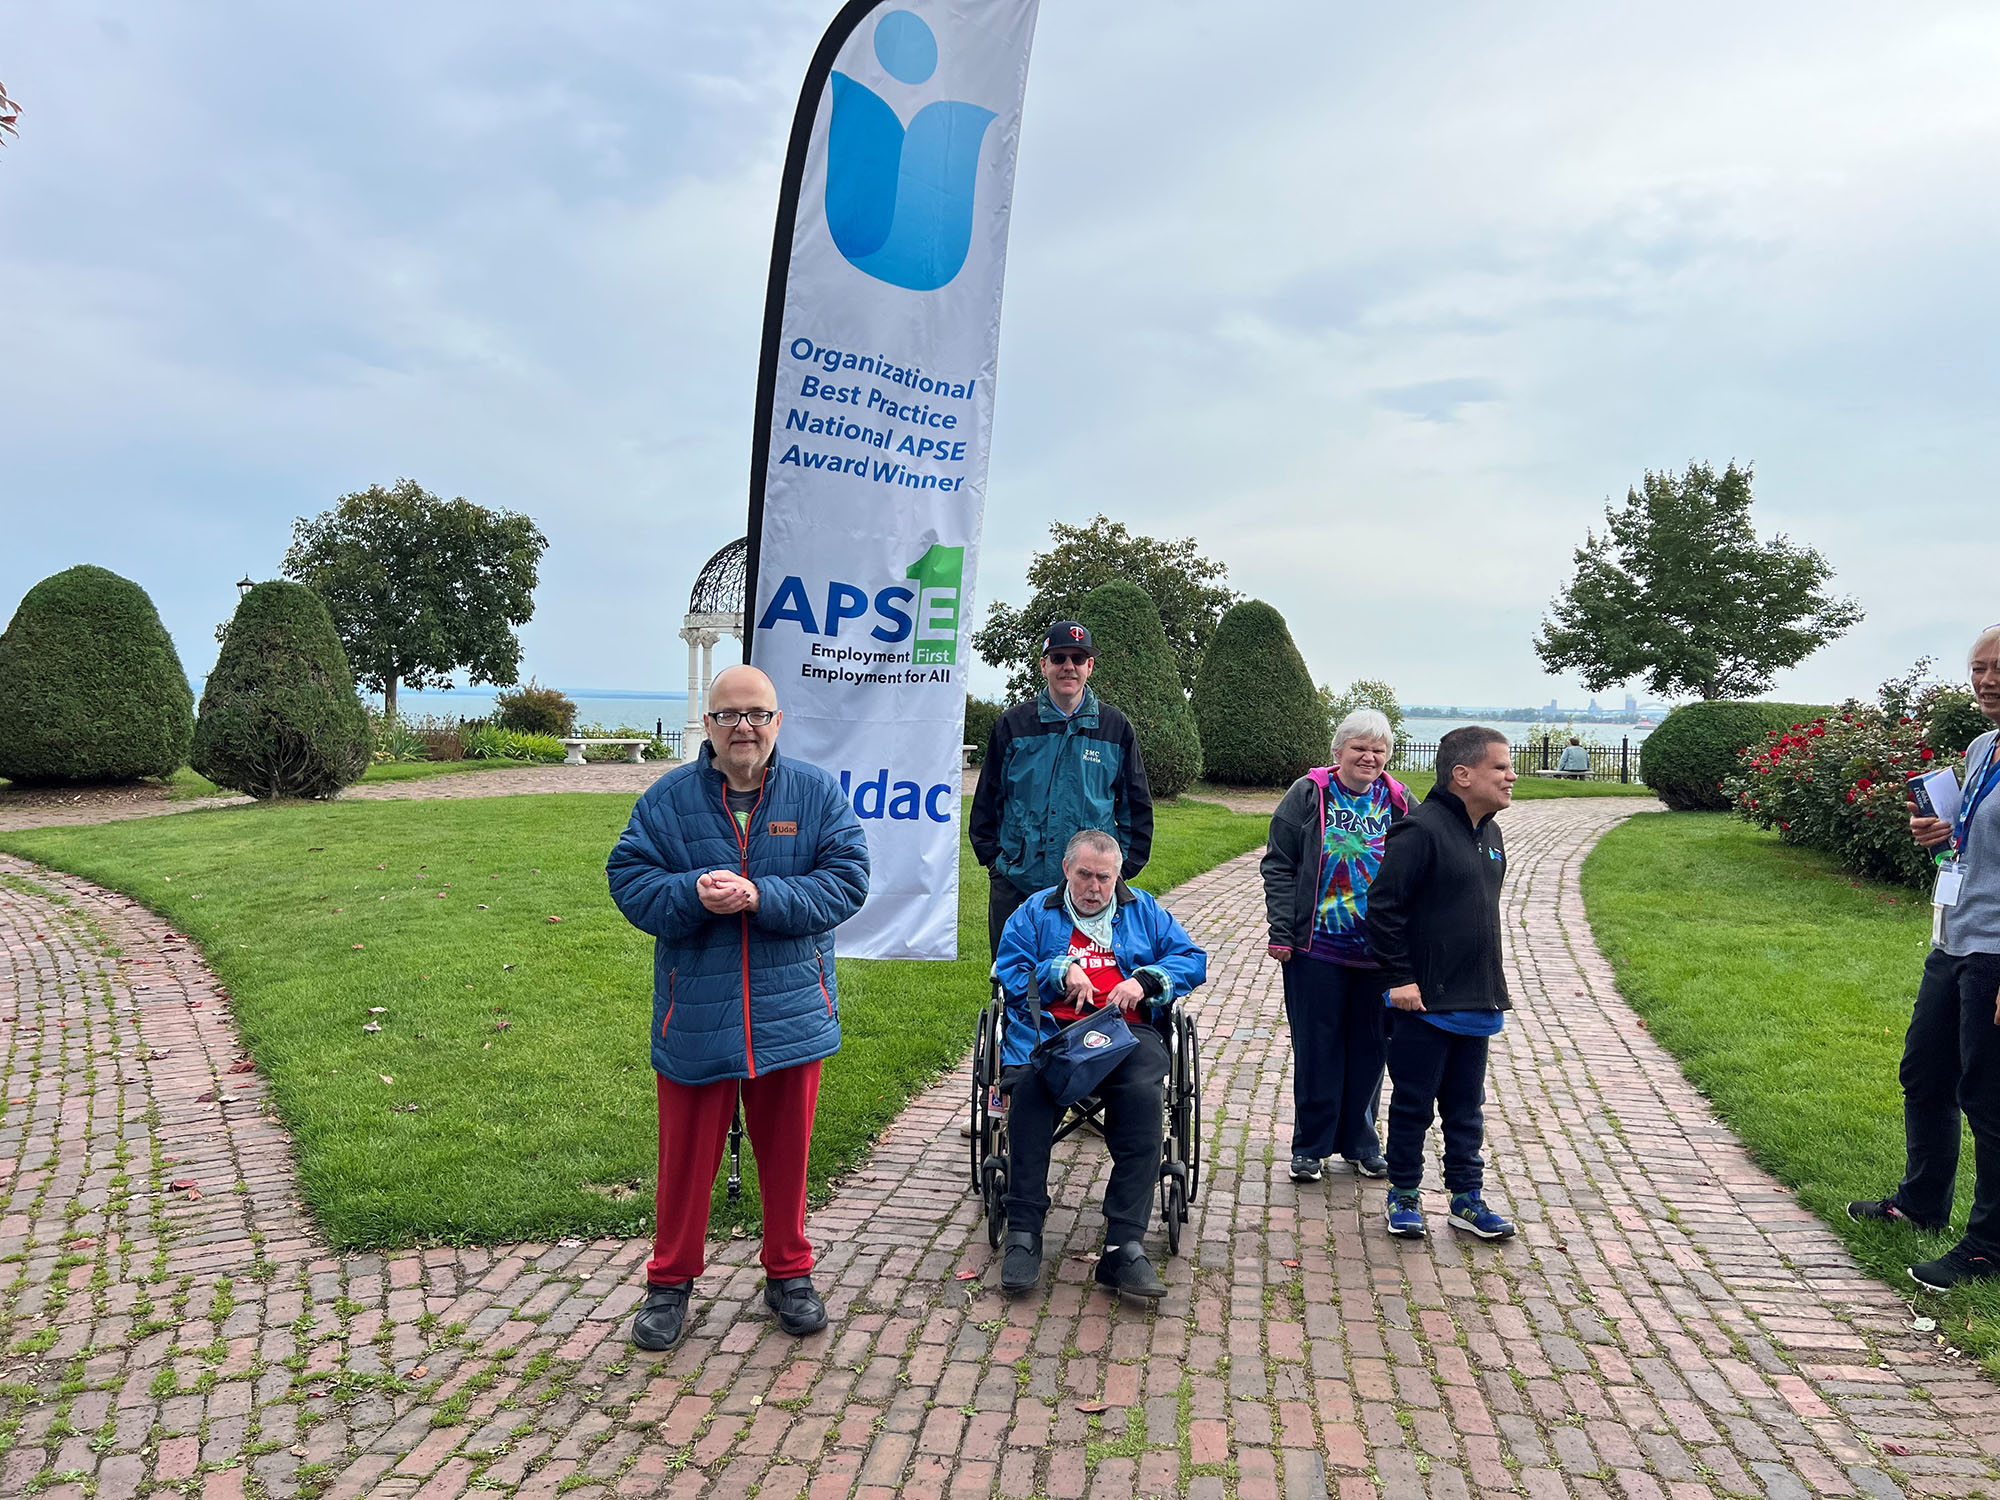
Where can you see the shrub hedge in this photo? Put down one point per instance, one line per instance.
(1135, 673)
(91, 688)
(1838, 781)
(1260, 717)
(981, 714)
(534, 709)
(279, 716)
(1698, 745)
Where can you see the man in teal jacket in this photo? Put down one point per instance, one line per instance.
(1058, 763)
(739, 864)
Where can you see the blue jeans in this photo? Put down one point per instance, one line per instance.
(1335, 1013)
(1436, 1070)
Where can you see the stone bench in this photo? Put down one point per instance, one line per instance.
(635, 750)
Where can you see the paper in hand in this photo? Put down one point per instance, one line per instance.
(1936, 794)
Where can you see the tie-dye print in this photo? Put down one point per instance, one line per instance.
(1357, 826)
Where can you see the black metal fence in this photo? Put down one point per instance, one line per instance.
(1541, 756)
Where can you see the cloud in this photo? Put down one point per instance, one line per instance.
(1381, 306)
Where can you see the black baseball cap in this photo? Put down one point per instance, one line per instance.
(1069, 635)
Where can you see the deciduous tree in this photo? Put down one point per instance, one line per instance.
(1679, 591)
(1188, 589)
(421, 588)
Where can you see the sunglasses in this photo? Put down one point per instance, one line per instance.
(1069, 658)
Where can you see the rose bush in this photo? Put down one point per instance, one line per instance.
(1839, 782)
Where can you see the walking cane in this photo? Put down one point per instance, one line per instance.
(736, 1148)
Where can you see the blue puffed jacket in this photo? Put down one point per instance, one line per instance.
(1150, 945)
(748, 994)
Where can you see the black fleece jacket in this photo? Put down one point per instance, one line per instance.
(1434, 909)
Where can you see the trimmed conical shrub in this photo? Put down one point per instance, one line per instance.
(1260, 717)
(91, 688)
(1135, 673)
(279, 717)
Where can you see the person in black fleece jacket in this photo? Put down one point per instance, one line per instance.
(1434, 929)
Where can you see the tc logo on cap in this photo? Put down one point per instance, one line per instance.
(1076, 632)
(1095, 1041)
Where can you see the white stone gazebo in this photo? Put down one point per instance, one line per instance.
(715, 609)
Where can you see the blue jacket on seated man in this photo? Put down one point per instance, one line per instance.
(1151, 947)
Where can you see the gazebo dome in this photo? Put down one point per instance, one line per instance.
(715, 610)
(718, 588)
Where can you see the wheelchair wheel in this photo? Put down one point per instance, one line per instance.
(993, 1198)
(1175, 1206)
(1188, 1050)
(982, 1070)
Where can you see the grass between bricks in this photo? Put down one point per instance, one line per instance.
(1784, 986)
(508, 1093)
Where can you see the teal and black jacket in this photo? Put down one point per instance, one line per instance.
(1046, 777)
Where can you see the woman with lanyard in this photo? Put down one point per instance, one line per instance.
(1325, 847)
(1951, 1057)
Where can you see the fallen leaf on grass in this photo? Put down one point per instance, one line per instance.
(357, 947)
(338, 910)
(194, 1195)
(441, 895)
(373, 1026)
(242, 1065)
(484, 907)
(506, 966)
(502, 1025)
(555, 919)
(385, 1077)
(381, 867)
(403, 1109)
(378, 1010)
(485, 1046)
(317, 849)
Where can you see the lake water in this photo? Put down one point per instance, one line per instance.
(611, 707)
(642, 708)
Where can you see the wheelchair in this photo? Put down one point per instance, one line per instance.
(1180, 1147)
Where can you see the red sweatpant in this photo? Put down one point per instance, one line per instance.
(694, 1128)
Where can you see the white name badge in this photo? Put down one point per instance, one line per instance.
(1950, 878)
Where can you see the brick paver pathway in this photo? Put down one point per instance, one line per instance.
(1669, 1324)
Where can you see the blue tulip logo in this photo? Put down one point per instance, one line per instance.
(899, 199)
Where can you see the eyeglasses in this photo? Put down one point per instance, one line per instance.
(1069, 658)
(729, 718)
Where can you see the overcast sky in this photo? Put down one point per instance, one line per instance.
(1379, 303)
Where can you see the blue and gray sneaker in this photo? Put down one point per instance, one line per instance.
(1406, 1220)
(1470, 1212)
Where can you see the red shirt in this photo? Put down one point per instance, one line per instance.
(1100, 964)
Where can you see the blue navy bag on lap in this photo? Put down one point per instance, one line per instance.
(1074, 1061)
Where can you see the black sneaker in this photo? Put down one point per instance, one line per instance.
(1955, 1267)
(1370, 1166)
(1125, 1270)
(797, 1305)
(1022, 1267)
(1306, 1169)
(1886, 1211)
(663, 1320)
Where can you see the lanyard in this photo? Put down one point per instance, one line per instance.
(1974, 796)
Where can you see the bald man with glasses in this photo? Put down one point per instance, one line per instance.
(739, 864)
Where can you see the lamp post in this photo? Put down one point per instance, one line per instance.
(244, 585)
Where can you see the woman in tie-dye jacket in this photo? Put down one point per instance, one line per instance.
(1325, 846)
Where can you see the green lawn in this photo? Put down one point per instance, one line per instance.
(1784, 987)
(508, 1094)
(1535, 788)
(186, 784)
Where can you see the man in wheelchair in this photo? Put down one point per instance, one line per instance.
(1090, 943)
